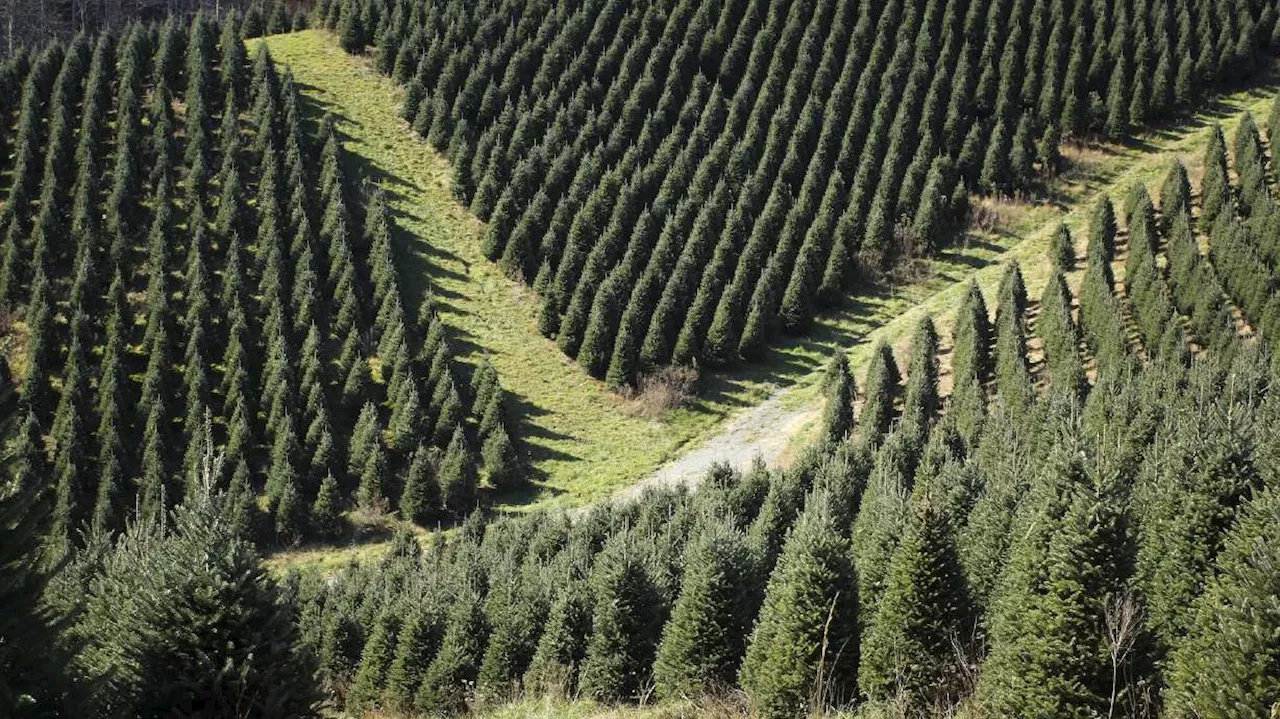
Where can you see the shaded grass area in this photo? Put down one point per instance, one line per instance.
(580, 439)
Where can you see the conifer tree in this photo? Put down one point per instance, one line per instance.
(172, 632)
(920, 398)
(1215, 188)
(837, 413)
(517, 610)
(28, 660)
(416, 646)
(807, 626)
(996, 174)
(363, 436)
(908, 654)
(563, 644)
(421, 494)
(290, 512)
(458, 476)
(501, 464)
(1102, 231)
(625, 624)
(877, 404)
(325, 520)
(444, 684)
(1062, 251)
(1047, 646)
(375, 660)
(971, 353)
(1023, 153)
(1224, 666)
(373, 477)
(705, 639)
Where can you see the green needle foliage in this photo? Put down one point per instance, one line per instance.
(803, 652)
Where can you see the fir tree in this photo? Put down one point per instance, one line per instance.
(908, 654)
(705, 639)
(1102, 231)
(325, 519)
(456, 664)
(501, 464)
(375, 660)
(920, 398)
(807, 627)
(176, 633)
(1047, 653)
(881, 386)
(1224, 668)
(563, 644)
(625, 624)
(415, 647)
(1062, 251)
(458, 476)
(837, 414)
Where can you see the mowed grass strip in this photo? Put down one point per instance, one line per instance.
(582, 440)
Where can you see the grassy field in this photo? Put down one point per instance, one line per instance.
(583, 441)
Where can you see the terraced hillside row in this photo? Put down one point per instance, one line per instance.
(682, 180)
(1084, 528)
(188, 268)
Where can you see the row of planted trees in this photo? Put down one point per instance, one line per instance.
(187, 259)
(1085, 524)
(683, 180)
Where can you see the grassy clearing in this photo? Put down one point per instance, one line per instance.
(582, 440)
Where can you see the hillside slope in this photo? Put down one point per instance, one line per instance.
(585, 442)
(579, 438)
(1110, 172)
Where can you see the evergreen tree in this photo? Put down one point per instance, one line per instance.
(908, 654)
(517, 610)
(1225, 667)
(563, 644)
(325, 519)
(625, 623)
(415, 647)
(421, 495)
(444, 684)
(1102, 231)
(1062, 251)
(375, 660)
(458, 475)
(877, 404)
(971, 353)
(500, 461)
(186, 617)
(803, 653)
(29, 662)
(1048, 656)
(837, 414)
(1215, 188)
(920, 399)
(705, 639)
(373, 477)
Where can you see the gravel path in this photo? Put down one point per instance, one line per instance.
(763, 431)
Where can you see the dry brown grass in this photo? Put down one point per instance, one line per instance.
(662, 391)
